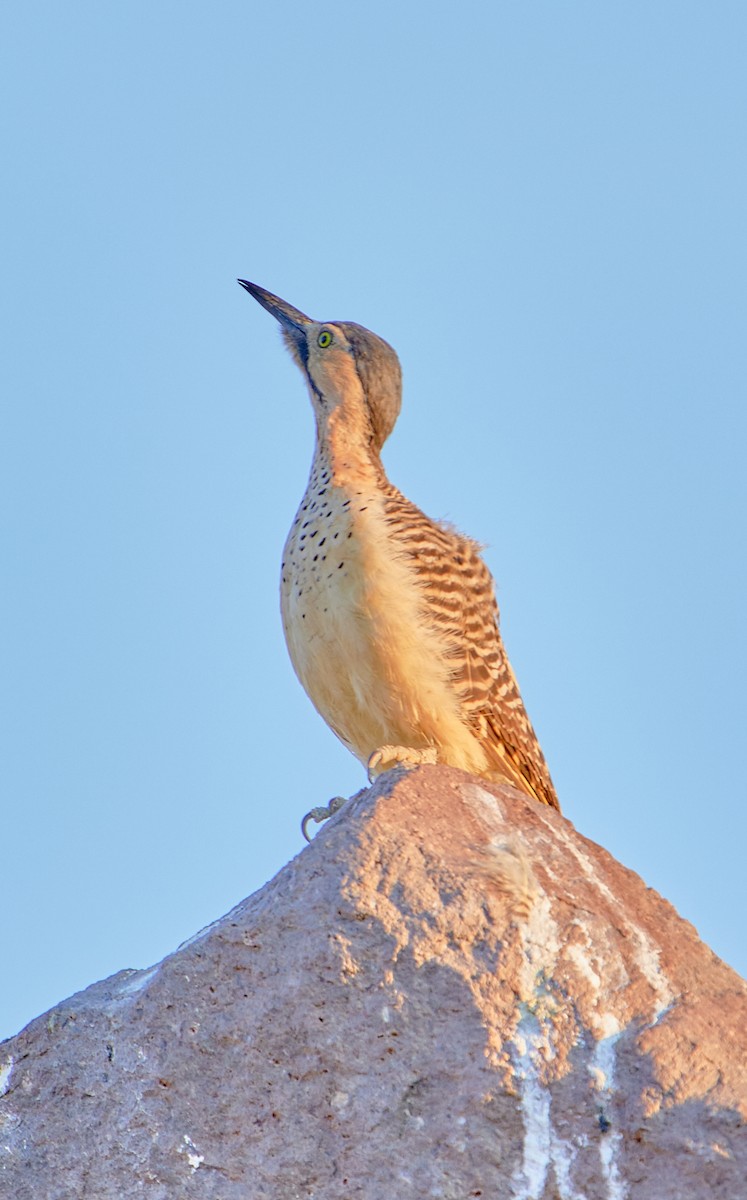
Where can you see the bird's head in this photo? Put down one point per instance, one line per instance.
(345, 366)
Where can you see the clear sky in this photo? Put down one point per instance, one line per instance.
(542, 207)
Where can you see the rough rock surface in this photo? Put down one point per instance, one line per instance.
(450, 993)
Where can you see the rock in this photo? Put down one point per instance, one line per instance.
(450, 993)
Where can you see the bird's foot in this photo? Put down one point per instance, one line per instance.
(387, 757)
(321, 813)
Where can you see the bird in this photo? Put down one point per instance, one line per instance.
(390, 617)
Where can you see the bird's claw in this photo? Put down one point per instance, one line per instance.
(321, 813)
(387, 757)
(381, 760)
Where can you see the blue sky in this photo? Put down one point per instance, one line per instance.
(541, 206)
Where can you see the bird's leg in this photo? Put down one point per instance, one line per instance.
(321, 813)
(387, 757)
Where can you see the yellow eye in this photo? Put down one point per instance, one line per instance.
(324, 339)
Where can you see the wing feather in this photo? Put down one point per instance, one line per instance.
(459, 601)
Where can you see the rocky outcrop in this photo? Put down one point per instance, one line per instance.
(450, 993)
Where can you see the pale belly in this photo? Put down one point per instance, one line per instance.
(329, 628)
(355, 634)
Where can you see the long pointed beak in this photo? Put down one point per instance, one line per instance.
(289, 317)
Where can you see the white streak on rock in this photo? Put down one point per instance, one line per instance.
(535, 1105)
(6, 1071)
(541, 946)
(602, 1068)
(562, 1155)
(194, 1158)
(580, 959)
(646, 952)
(543, 1150)
(608, 1148)
(134, 983)
(485, 803)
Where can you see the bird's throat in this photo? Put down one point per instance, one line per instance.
(345, 446)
